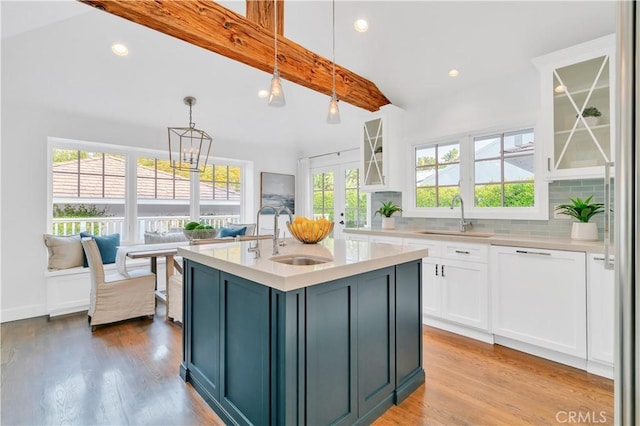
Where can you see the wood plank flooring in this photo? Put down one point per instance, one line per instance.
(58, 372)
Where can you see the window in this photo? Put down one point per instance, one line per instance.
(437, 174)
(494, 173)
(106, 189)
(323, 195)
(86, 185)
(355, 207)
(504, 170)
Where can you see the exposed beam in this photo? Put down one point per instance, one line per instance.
(208, 25)
(261, 13)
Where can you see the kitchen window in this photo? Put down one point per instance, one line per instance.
(497, 174)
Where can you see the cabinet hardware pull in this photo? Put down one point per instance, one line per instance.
(436, 269)
(442, 271)
(548, 164)
(462, 252)
(539, 253)
(601, 259)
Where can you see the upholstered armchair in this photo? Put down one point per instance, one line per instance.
(115, 297)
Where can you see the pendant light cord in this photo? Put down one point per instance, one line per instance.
(334, 47)
(275, 38)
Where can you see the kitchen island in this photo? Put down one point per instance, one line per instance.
(336, 342)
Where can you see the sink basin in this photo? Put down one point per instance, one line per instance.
(300, 260)
(457, 233)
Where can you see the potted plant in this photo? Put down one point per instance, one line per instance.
(591, 116)
(378, 153)
(386, 211)
(583, 210)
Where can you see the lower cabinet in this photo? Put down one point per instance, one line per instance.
(539, 298)
(340, 352)
(601, 316)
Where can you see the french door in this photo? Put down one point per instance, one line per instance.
(335, 193)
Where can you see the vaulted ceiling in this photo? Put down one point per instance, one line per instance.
(57, 54)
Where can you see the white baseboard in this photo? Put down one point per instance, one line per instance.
(552, 355)
(599, 369)
(472, 333)
(23, 312)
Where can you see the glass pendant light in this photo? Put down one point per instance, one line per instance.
(276, 94)
(333, 117)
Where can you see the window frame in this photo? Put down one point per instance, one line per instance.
(131, 154)
(540, 210)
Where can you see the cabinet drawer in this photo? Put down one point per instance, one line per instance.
(434, 247)
(384, 239)
(465, 251)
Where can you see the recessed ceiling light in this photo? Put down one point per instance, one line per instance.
(361, 25)
(454, 72)
(119, 49)
(263, 94)
(559, 89)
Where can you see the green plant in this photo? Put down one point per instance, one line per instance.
(583, 210)
(591, 112)
(387, 209)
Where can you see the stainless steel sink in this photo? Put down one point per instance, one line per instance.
(457, 233)
(301, 260)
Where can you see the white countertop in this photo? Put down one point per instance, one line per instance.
(551, 243)
(347, 258)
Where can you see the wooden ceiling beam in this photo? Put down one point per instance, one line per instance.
(261, 13)
(208, 25)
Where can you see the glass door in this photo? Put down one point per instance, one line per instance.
(336, 196)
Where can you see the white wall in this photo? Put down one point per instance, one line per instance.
(24, 188)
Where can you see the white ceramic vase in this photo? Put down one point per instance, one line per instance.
(592, 121)
(388, 223)
(584, 231)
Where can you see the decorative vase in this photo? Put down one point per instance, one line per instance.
(378, 156)
(388, 223)
(584, 231)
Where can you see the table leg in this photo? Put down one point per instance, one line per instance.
(154, 269)
(169, 273)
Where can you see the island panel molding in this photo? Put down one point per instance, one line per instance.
(208, 25)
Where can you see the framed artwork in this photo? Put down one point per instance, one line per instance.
(277, 190)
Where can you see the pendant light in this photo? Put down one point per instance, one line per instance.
(276, 94)
(333, 117)
(192, 145)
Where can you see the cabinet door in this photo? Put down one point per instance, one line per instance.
(349, 236)
(384, 239)
(578, 114)
(539, 297)
(431, 287)
(202, 326)
(601, 311)
(374, 171)
(245, 329)
(376, 337)
(464, 288)
(331, 353)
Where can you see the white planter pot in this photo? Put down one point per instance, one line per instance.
(388, 223)
(592, 121)
(584, 231)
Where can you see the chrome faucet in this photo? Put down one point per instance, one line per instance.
(463, 223)
(256, 249)
(276, 231)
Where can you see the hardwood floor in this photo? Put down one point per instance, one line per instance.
(58, 372)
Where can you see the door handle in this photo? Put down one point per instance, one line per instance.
(341, 222)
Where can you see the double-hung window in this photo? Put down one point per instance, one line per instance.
(498, 175)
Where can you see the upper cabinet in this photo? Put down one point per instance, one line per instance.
(577, 109)
(380, 151)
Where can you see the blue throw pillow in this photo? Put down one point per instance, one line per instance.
(107, 245)
(232, 232)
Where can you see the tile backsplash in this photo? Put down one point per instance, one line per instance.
(559, 193)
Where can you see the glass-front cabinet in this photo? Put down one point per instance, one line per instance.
(577, 109)
(380, 155)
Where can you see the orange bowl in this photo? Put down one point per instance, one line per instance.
(310, 232)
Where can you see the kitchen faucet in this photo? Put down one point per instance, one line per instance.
(256, 249)
(463, 223)
(276, 231)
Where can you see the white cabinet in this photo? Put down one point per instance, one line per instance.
(380, 151)
(455, 282)
(601, 315)
(539, 298)
(384, 239)
(350, 236)
(575, 82)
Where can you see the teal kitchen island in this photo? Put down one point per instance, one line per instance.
(267, 342)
